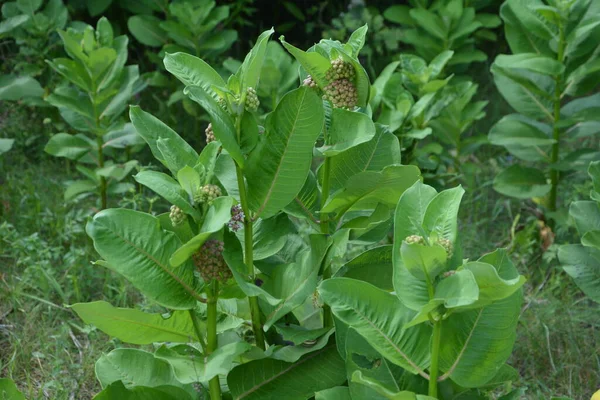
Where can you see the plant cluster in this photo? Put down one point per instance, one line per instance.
(553, 66)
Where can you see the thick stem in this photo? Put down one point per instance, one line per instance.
(197, 329)
(435, 356)
(103, 195)
(324, 218)
(214, 387)
(554, 174)
(257, 327)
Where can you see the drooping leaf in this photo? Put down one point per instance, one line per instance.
(522, 182)
(583, 265)
(348, 129)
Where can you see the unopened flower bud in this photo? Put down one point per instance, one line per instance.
(252, 101)
(210, 262)
(414, 239)
(176, 215)
(210, 134)
(208, 194)
(237, 218)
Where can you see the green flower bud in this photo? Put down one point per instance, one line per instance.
(207, 194)
(210, 262)
(176, 215)
(210, 134)
(414, 239)
(340, 70)
(342, 93)
(252, 101)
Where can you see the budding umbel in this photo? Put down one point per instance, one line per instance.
(208, 194)
(210, 134)
(252, 101)
(237, 218)
(210, 262)
(445, 243)
(176, 215)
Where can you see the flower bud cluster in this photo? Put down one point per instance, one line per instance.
(340, 70)
(412, 239)
(308, 81)
(176, 215)
(237, 218)
(210, 262)
(252, 101)
(342, 93)
(445, 243)
(210, 134)
(208, 194)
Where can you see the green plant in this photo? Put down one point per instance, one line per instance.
(473, 305)
(582, 261)
(554, 59)
(101, 87)
(32, 28)
(433, 27)
(414, 101)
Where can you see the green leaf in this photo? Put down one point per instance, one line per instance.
(525, 29)
(117, 390)
(274, 379)
(97, 7)
(134, 245)
(458, 290)
(13, 88)
(217, 216)
(410, 212)
(532, 62)
(134, 326)
(373, 266)
(442, 213)
(190, 180)
(190, 366)
(146, 29)
(136, 367)
(377, 316)
(6, 145)
(492, 287)
(104, 32)
(29, 6)
(9, 391)
(373, 187)
(313, 63)
(278, 166)
(252, 64)
(357, 40)
(72, 147)
(517, 130)
(168, 188)
(11, 23)
(306, 203)
(375, 386)
(151, 129)
(269, 235)
(294, 353)
(423, 262)
(477, 343)
(521, 182)
(348, 129)
(430, 22)
(298, 334)
(222, 122)
(193, 71)
(376, 154)
(583, 265)
(335, 393)
(79, 187)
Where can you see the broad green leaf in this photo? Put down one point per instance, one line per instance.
(269, 235)
(274, 379)
(293, 283)
(6, 145)
(278, 166)
(190, 180)
(222, 123)
(372, 187)
(175, 157)
(532, 62)
(442, 213)
(373, 266)
(522, 182)
(146, 29)
(410, 212)
(134, 245)
(348, 129)
(378, 316)
(294, 353)
(516, 130)
(9, 391)
(376, 154)
(76, 188)
(477, 343)
(492, 287)
(72, 147)
(117, 390)
(313, 63)
(252, 64)
(29, 6)
(193, 71)
(136, 367)
(152, 129)
(583, 265)
(135, 326)
(168, 188)
(458, 290)
(384, 393)
(104, 32)
(591, 239)
(361, 358)
(422, 261)
(217, 216)
(306, 203)
(97, 7)
(335, 393)
(13, 88)
(430, 22)
(582, 109)
(11, 23)
(525, 29)
(189, 365)
(357, 40)
(298, 334)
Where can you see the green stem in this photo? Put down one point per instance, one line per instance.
(214, 387)
(103, 195)
(554, 175)
(327, 317)
(435, 356)
(257, 326)
(197, 329)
